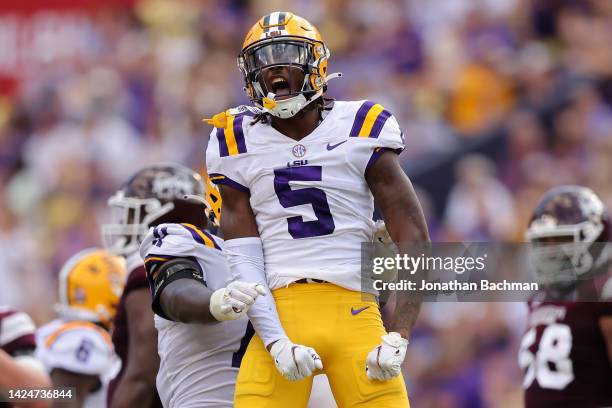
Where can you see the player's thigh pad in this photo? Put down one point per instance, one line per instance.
(260, 385)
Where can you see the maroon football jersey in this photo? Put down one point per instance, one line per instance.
(564, 356)
(137, 279)
(17, 335)
(17, 332)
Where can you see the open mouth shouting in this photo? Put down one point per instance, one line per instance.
(283, 81)
(280, 86)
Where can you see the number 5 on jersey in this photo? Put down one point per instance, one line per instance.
(298, 228)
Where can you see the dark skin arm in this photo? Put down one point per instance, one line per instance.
(187, 301)
(238, 220)
(395, 196)
(137, 386)
(83, 384)
(605, 324)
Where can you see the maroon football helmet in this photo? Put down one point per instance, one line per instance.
(569, 232)
(156, 194)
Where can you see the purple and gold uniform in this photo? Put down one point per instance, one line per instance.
(311, 191)
(312, 202)
(79, 347)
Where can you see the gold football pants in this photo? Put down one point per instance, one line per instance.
(343, 326)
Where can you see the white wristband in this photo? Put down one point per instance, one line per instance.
(245, 257)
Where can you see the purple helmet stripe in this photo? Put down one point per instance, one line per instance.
(266, 23)
(281, 21)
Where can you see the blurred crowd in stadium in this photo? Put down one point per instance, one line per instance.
(510, 97)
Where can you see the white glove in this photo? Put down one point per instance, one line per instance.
(385, 361)
(294, 361)
(233, 301)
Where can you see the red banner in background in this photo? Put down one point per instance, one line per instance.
(36, 33)
(31, 6)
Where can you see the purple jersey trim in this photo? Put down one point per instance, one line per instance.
(379, 123)
(239, 134)
(218, 178)
(198, 238)
(223, 152)
(360, 118)
(376, 155)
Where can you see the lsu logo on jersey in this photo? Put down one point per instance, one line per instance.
(296, 163)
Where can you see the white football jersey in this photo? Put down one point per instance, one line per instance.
(198, 362)
(79, 347)
(311, 201)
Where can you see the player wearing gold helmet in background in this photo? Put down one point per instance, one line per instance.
(76, 348)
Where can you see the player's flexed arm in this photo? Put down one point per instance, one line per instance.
(245, 254)
(187, 300)
(406, 224)
(180, 284)
(180, 294)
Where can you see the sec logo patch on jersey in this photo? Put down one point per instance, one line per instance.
(299, 150)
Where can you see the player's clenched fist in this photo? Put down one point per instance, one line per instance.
(294, 361)
(234, 300)
(385, 361)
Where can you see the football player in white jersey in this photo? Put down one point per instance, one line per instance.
(201, 322)
(76, 348)
(299, 174)
(151, 196)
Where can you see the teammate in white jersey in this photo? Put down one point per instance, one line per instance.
(76, 348)
(299, 179)
(202, 327)
(199, 358)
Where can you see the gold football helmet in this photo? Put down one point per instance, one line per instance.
(213, 202)
(90, 285)
(284, 39)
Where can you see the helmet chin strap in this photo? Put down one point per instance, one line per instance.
(287, 108)
(283, 109)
